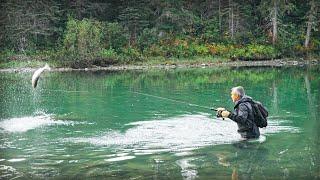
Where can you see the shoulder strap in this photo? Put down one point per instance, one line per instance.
(249, 120)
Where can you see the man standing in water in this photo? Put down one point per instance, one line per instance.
(242, 114)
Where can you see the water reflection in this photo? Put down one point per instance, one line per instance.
(188, 170)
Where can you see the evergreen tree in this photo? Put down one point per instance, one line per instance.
(135, 15)
(273, 12)
(27, 24)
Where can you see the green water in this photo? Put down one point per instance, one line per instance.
(118, 125)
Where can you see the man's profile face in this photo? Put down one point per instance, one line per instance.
(234, 96)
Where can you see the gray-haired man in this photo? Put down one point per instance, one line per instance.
(242, 114)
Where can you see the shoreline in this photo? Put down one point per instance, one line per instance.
(269, 63)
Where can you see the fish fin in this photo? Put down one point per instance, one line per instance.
(47, 67)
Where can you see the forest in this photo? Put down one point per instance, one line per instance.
(83, 33)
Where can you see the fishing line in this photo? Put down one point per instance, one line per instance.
(173, 100)
(65, 91)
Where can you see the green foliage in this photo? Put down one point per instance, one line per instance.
(28, 25)
(82, 41)
(134, 15)
(126, 31)
(115, 36)
(177, 20)
(83, 38)
(155, 51)
(219, 49)
(70, 37)
(131, 54)
(147, 38)
(179, 48)
(211, 32)
(108, 53)
(254, 51)
(289, 40)
(22, 64)
(5, 55)
(248, 52)
(198, 50)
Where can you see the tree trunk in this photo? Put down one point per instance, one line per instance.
(133, 35)
(22, 44)
(237, 25)
(220, 29)
(309, 24)
(231, 19)
(306, 42)
(274, 22)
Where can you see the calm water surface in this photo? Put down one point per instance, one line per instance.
(121, 125)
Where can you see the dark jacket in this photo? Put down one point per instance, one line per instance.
(243, 116)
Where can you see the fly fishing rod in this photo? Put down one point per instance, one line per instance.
(174, 100)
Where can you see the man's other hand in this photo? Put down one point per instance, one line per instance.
(225, 114)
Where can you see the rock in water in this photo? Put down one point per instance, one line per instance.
(37, 73)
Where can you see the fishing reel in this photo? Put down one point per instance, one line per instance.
(219, 114)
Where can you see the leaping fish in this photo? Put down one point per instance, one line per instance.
(37, 73)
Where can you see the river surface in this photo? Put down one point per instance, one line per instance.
(156, 124)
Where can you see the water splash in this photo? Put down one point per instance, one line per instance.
(175, 134)
(17, 160)
(120, 158)
(23, 124)
(276, 126)
(171, 134)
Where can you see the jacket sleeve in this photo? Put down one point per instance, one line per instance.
(240, 116)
